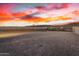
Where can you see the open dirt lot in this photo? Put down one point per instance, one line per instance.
(50, 43)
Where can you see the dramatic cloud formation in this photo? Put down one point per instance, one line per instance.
(38, 14)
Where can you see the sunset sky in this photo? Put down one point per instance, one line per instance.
(27, 14)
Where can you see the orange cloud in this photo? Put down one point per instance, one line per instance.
(5, 15)
(20, 14)
(47, 19)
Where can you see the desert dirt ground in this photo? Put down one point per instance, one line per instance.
(41, 43)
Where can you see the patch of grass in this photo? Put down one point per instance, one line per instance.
(51, 28)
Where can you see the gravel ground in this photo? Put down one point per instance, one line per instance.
(51, 43)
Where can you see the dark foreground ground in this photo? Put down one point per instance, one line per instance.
(41, 44)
